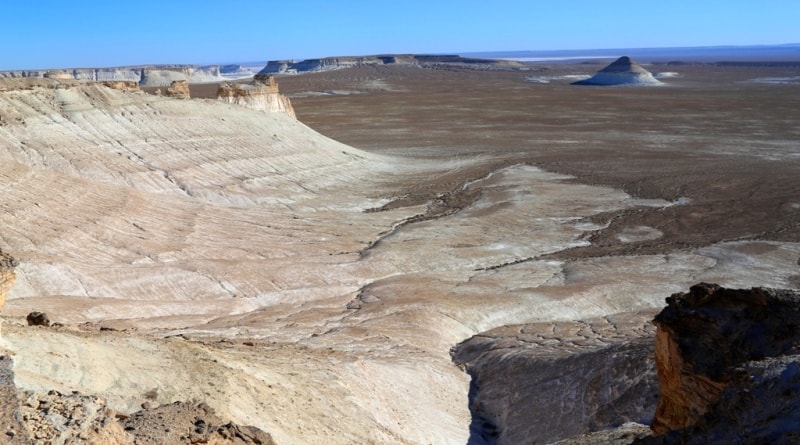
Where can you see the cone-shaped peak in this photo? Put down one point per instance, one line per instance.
(624, 65)
(622, 71)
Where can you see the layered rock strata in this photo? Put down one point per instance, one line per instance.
(542, 382)
(261, 95)
(622, 71)
(728, 366)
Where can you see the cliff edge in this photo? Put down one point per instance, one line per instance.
(728, 363)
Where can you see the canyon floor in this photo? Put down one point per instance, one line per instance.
(310, 277)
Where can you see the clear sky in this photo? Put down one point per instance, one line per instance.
(84, 33)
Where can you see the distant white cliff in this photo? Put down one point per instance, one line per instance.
(147, 76)
(419, 60)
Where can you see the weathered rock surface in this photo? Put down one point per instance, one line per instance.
(622, 71)
(7, 276)
(419, 60)
(542, 382)
(728, 366)
(261, 95)
(179, 89)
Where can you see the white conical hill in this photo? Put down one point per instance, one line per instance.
(622, 71)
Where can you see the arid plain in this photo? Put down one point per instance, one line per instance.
(313, 287)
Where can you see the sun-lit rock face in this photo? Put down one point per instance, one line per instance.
(622, 71)
(7, 276)
(720, 353)
(122, 85)
(179, 89)
(261, 95)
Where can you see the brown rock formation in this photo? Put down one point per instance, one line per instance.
(716, 350)
(7, 276)
(123, 85)
(261, 95)
(179, 89)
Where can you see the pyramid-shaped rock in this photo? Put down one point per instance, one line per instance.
(623, 71)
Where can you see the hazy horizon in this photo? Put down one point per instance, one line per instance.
(55, 34)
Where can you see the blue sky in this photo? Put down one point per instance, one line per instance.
(60, 34)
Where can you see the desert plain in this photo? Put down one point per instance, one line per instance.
(310, 276)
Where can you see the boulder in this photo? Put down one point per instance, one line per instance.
(38, 319)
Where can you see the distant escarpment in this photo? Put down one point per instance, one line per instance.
(262, 95)
(146, 76)
(542, 382)
(622, 71)
(417, 60)
(728, 365)
(7, 276)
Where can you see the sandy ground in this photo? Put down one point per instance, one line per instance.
(314, 289)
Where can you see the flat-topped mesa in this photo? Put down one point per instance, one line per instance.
(416, 60)
(261, 95)
(7, 276)
(622, 71)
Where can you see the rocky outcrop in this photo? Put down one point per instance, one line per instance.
(179, 89)
(7, 276)
(417, 60)
(622, 71)
(728, 367)
(261, 95)
(36, 417)
(122, 85)
(542, 382)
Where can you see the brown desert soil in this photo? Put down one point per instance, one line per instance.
(726, 148)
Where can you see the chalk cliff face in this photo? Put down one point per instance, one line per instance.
(542, 382)
(728, 366)
(261, 95)
(7, 276)
(147, 76)
(161, 77)
(623, 71)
